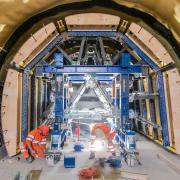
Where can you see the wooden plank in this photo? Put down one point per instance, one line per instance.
(174, 87)
(9, 110)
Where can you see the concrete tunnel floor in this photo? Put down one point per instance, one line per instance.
(152, 166)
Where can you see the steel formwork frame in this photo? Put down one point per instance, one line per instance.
(25, 78)
(160, 85)
(124, 69)
(96, 69)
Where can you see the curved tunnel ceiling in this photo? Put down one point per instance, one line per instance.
(12, 27)
(166, 12)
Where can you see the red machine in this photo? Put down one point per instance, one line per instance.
(105, 128)
(108, 133)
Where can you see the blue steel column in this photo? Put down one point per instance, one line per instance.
(25, 94)
(65, 93)
(162, 109)
(59, 99)
(118, 92)
(124, 102)
(124, 90)
(59, 106)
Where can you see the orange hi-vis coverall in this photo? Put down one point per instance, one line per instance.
(37, 142)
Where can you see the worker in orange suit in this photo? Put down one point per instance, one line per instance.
(35, 144)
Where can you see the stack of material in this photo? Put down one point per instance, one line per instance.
(89, 173)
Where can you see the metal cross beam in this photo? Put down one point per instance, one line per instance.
(82, 78)
(92, 33)
(68, 58)
(88, 69)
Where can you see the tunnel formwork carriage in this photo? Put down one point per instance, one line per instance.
(139, 71)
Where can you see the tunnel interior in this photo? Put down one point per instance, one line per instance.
(70, 68)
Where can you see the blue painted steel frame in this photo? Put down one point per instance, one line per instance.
(58, 58)
(81, 78)
(140, 53)
(162, 106)
(24, 126)
(42, 54)
(124, 92)
(125, 69)
(124, 102)
(160, 85)
(149, 61)
(25, 82)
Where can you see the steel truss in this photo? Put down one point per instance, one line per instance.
(124, 69)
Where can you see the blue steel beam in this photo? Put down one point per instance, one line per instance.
(82, 78)
(96, 75)
(24, 126)
(162, 108)
(88, 69)
(81, 82)
(92, 33)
